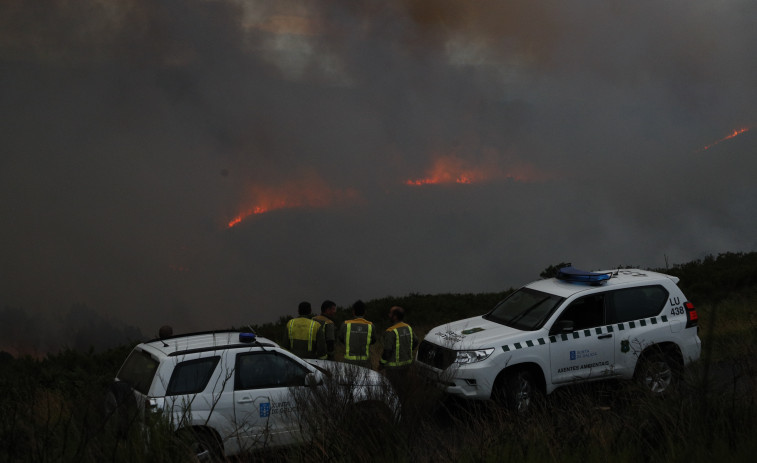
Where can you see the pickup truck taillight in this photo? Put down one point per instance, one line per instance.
(691, 315)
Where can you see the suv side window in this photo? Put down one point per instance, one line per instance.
(636, 303)
(192, 376)
(583, 313)
(258, 370)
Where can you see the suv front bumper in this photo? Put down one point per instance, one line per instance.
(467, 381)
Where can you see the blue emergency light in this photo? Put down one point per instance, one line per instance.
(574, 275)
(247, 337)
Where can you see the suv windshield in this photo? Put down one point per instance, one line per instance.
(525, 309)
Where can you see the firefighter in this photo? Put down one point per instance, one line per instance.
(358, 335)
(326, 319)
(306, 337)
(399, 343)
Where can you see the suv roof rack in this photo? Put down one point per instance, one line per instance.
(574, 275)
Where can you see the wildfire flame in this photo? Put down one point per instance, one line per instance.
(308, 193)
(451, 169)
(733, 134)
(274, 204)
(313, 192)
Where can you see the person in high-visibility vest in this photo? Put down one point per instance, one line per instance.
(305, 336)
(326, 319)
(400, 342)
(358, 335)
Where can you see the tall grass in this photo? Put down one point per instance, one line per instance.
(52, 412)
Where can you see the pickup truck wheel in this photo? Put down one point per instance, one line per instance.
(657, 372)
(516, 390)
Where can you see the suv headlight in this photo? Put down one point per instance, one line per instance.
(473, 356)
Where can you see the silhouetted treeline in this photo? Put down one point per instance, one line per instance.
(421, 310)
(715, 278)
(707, 280)
(703, 281)
(79, 328)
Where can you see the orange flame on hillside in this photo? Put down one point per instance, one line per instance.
(451, 169)
(308, 193)
(255, 210)
(733, 134)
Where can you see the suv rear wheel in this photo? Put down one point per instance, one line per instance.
(657, 372)
(202, 444)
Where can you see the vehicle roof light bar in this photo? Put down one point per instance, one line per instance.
(574, 275)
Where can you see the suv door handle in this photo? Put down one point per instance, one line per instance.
(244, 400)
(604, 336)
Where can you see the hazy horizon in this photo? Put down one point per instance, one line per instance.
(207, 163)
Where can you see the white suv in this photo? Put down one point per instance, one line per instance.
(580, 326)
(231, 392)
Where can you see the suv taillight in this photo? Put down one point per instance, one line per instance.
(151, 404)
(691, 315)
(151, 407)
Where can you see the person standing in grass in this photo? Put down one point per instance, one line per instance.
(358, 335)
(400, 343)
(326, 319)
(305, 336)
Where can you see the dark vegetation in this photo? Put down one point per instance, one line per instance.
(715, 279)
(51, 408)
(35, 334)
(423, 312)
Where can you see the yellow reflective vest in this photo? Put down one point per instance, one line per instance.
(306, 338)
(357, 335)
(399, 344)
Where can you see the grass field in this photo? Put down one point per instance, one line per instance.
(51, 412)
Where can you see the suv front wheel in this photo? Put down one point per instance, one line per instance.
(517, 390)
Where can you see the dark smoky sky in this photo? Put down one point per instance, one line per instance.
(133, 132)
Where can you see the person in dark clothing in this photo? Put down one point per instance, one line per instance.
(326, 319)
(358, 335)
(400, 343)
(305, 335)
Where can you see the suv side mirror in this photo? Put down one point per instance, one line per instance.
(313, 379)
(562, 327)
